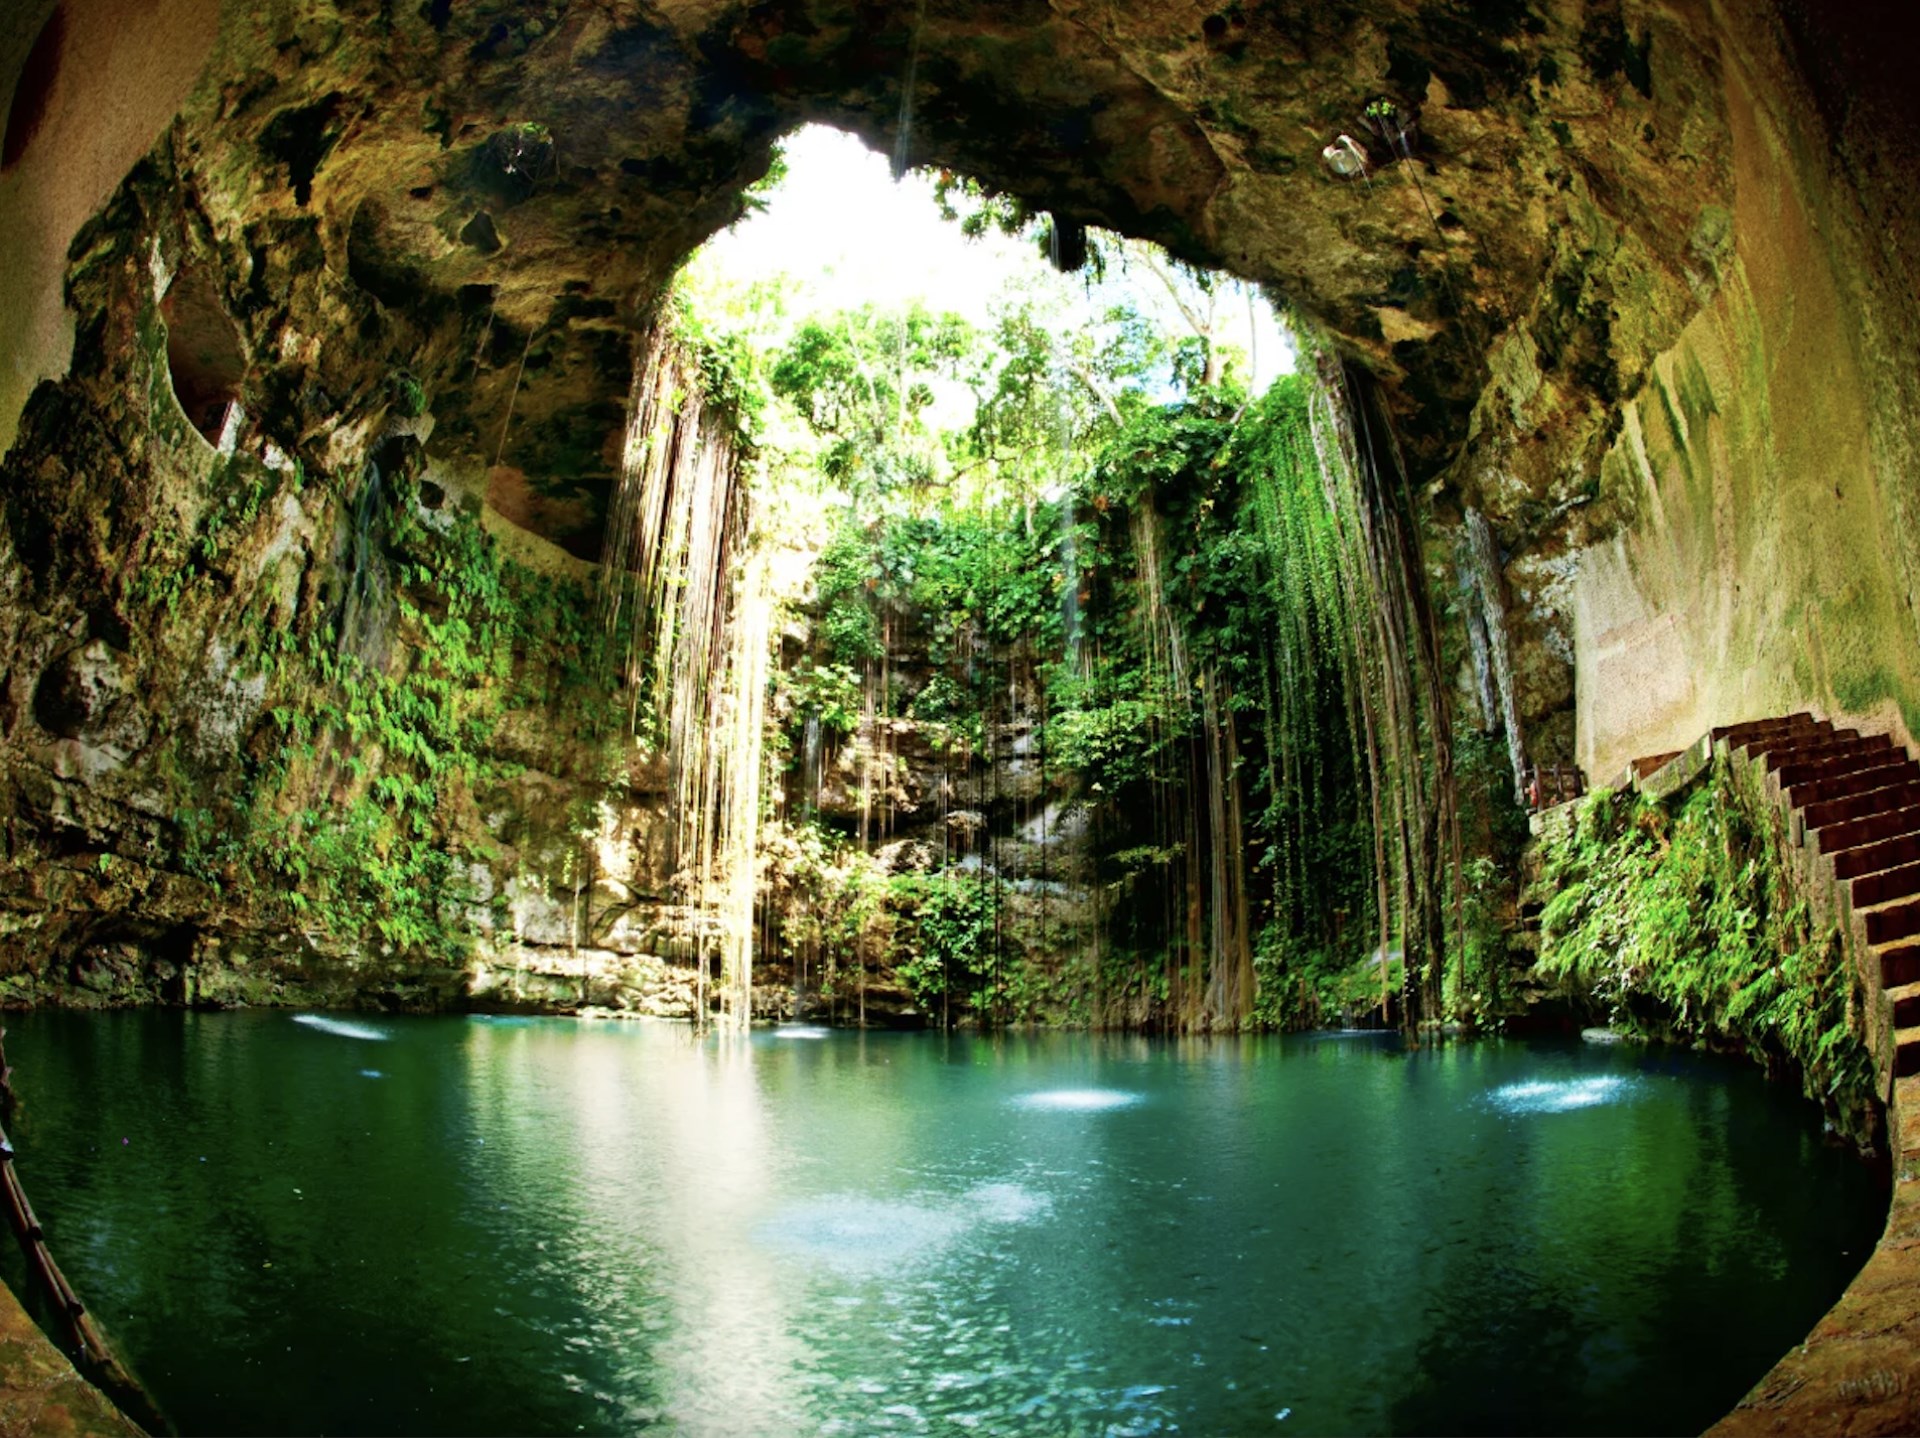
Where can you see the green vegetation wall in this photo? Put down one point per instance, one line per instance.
(1182, 662)
(1688, 919)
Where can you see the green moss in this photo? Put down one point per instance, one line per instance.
(1859, 692)
(354, 823)
(1679, 431)
(1682, 919)
(1696, 389)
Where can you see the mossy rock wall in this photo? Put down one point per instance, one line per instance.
(1693, 919)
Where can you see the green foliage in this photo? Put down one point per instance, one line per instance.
(1244, 580)
(1494, 832)
(977, 209)
(863, 380)
(409, 395)
(408, 741)
(731, 384)
(245, 487)
(1250, 578)
(948, 922)
(845, 575)
(831, 693)
(1044, 401)
(1687, 920)
(1304, 984)
(976, 571)
(175, 565)
(835, 926)
(356, 811)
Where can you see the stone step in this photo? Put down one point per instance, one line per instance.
(1785, 739)
(1858, 782)
(1852, 833)
(1891, 922)
(1739, 734)
(1899, 964)
(1640, 768)
(1772, 728)
(1891, 853)
(1906, 1005)
(1857, 806)
(1885, 885)
(1812, 771)
(1906, 1052)
(1839, 744)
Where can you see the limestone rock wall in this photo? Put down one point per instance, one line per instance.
(180, 574)
(1763, 479)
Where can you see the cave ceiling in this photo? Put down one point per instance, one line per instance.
(487, 196)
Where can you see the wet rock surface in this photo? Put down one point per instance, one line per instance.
(40, 1392)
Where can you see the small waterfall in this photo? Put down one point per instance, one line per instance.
(810, 768)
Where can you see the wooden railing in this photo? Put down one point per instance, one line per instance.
(1553, 784)
(83, 1341)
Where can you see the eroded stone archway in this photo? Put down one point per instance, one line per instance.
(1552, 176)
(487, 196)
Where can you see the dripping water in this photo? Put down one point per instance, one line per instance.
(810, 769)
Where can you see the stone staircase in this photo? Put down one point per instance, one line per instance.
(1851, 802)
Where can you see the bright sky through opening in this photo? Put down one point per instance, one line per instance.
(845, 233)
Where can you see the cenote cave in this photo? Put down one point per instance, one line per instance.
(1021, 717)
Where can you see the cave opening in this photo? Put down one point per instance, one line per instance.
(914, 416)
(205, 361)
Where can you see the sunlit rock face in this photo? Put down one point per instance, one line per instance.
(1631, 277)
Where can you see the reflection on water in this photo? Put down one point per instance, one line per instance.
(1558, 1096)
(853, 1233)
(542, 1226)
(1077, 1100)
(338, 1027)
(857, 1234)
